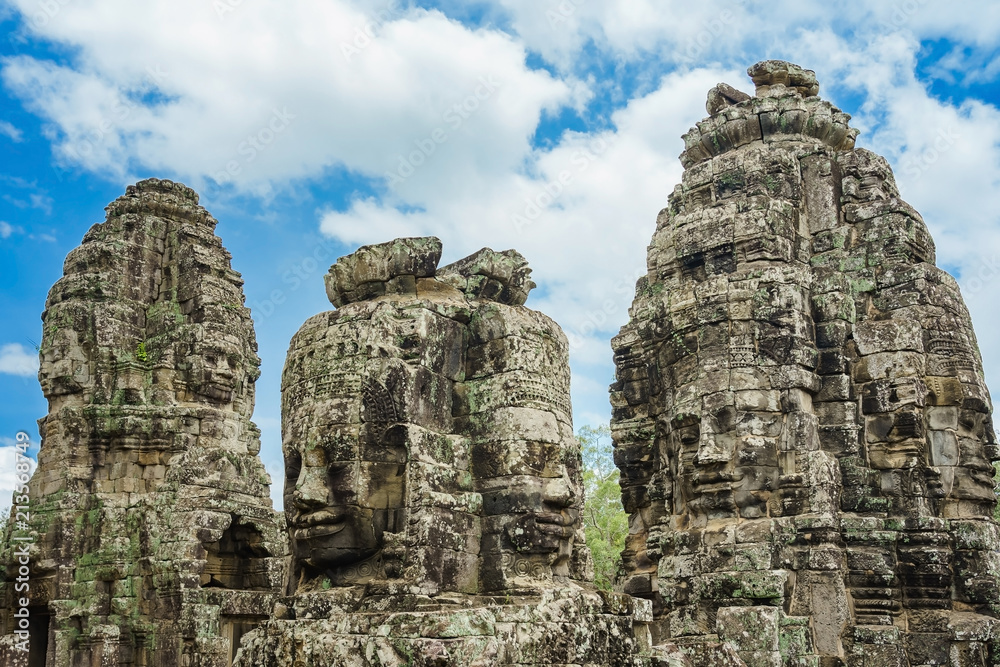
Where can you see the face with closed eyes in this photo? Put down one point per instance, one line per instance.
(703, 484)
(339, 507)
(534, 489)
(719, 472)
(214, 371)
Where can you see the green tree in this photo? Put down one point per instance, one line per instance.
(605, 521)
(996, 489)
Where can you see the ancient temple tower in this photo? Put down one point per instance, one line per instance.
(433, 483)
(155, 542)
(799, 409)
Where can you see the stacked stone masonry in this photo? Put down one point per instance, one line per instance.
(799, 417)
(799, 412)
(154, 538)
(433, 486)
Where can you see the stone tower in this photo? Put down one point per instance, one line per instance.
(799, 411)
(155, 542)
(433, 486)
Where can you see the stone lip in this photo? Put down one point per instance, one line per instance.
(396, 266)
(785, 109)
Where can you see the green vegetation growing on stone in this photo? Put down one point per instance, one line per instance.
(605, 521)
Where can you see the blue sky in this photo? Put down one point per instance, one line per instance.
(96, 94)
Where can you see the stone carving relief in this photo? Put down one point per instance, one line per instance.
(155, 539)
(439, 475)
(800, 416)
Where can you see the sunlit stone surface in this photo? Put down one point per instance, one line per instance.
(800, 416)
(433, 485)
(155, 542)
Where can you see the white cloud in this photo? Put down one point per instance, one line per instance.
(16, 360)
(11, 132)
(710, 31)
(585, 236)
(466, 174)
(270, 93)
(946, 159)
(6, 230)
(9, 461)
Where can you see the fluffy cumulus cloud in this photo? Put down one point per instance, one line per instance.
(16, 360)
(581, 212)
(945, 155)
(688, 34)
(441, 118)
(256, 96)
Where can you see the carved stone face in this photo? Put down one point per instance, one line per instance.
(346, 466)
(703, 481)
(973, 479)
(530, 488)
(213, 372)
(718, 470)
(547, 497)
(338, 510)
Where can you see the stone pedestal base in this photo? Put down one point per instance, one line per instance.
(559, 627)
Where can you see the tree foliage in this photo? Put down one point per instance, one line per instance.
(605, 521)
(996, 489)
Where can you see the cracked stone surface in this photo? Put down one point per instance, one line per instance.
(155, 542)
(799, 415)
(799, 411)
(433, 487)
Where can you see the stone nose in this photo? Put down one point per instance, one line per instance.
(713, 448)
(310, 490)
(558, 492)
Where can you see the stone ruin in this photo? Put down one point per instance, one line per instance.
(155, 542)
(799, 416)
(433, 486)
(799, 412)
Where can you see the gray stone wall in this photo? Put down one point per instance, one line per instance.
(433, 485)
